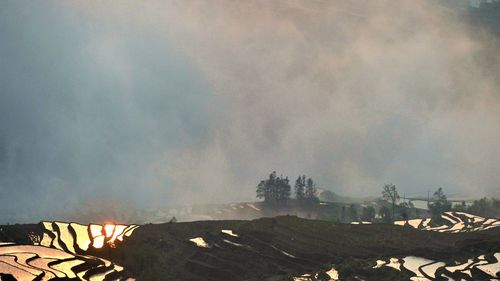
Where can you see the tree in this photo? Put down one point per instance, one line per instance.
(282, 189)
(261, 190)
(385, 214)
(275, 190)
(491, 208)
(265, 188)
(479, 207)
(390, 194)
(439, 204)
(310, 192)
(300, 185)
(485, 207)
(368, 213)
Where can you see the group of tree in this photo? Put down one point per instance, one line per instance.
(276, 190)
(485, 207)
(438, 205)
(393, 208)
(305, 190)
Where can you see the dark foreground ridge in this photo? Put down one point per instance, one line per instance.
(284, 247)
(281, 248)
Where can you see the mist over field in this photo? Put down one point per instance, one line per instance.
(163, 103)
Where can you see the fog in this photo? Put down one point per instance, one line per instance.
(162, 103)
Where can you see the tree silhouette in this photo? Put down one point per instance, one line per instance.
(300, 185)
(311, 191)
(275, 190)
(262, 191)
(439, 204)
(390, 194)
(282, 189)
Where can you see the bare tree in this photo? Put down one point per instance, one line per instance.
(390, 194)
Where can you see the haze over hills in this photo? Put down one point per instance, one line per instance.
(191, 103)
(284, 140)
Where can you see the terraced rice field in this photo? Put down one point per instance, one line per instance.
(478, 268)
(458, 247)
(453, 222)
(60, 250)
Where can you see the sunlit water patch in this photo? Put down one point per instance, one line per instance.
(229, 232)
(421, 269)
(453, 222)
(200, 242)
(332, 274)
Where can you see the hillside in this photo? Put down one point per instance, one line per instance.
(281, 248)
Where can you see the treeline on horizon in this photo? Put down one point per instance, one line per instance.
(276, 191)
(437, 205)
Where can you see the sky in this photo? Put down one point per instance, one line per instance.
(164, 103)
